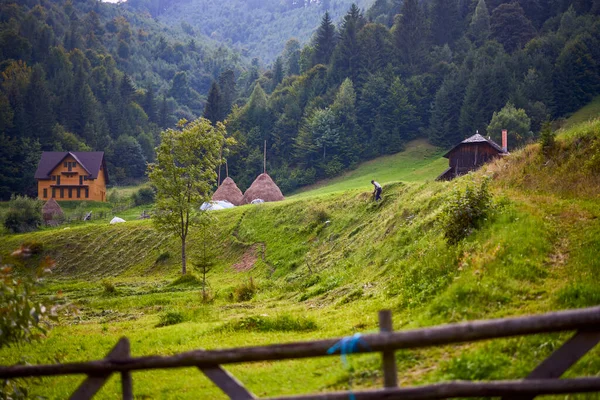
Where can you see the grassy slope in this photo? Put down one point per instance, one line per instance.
(418, 163)
(587, 113)
(537, 253)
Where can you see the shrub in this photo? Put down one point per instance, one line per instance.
(186, 280)
(547, 138)
(163, 258)
(143, 196)
(466, 211)
(245, 291)
(109, 287)
(24, 214)
(281, 323)
(170, 318)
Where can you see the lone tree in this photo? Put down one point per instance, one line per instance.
(183, 174)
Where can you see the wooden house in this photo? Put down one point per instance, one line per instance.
(471, 154)
(76, 176)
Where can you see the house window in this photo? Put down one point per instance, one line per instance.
(85, 178)
(58, 180)
(53, 177)
(65, 164)
(70, 193)
(87, 193)
(78, 193)
(45, 193)
(62, 193)
(74, 164)
(53, 193)
(80, 180)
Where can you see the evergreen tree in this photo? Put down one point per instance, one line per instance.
(444, 21)
(411, 35)
(479, 29)
(346, 56)
(213, 111)
(510, 26)
(277, 73)
(149, 104)
(344, 111)
(325, 40)
(38, 107)
(228, 91)
(291, 55)
(444, 128)
(129, 156)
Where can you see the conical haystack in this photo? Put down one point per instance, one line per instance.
(50, 210)
(263, 188)
(228, 191)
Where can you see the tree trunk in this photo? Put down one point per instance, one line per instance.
(183, 259)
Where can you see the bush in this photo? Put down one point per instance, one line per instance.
(170, 318)
(245, 291)
(466, 212)
(281, 323)
(24, 214)
(547, 138)
(109, 287)
(143, 196)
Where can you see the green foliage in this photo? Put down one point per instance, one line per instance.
(170, 318)
(466, 211)
(185, 280)
(24, 214)
(183, 175)
(245, 291)
(109, 287)
(279, 323)
(23, 317)
(143, 196)
(515, 121)
(547, 138)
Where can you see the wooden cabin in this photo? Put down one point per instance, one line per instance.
(72, 176)
(470, 154)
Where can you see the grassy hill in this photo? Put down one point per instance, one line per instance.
(321, 264)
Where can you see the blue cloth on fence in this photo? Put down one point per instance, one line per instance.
(348, 345)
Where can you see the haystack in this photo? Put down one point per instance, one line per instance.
(50, 211)
(263, 188)
(228, 191)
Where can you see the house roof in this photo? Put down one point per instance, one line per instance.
(476, 138)
(91, 161)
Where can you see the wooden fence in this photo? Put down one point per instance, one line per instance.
(542, 380)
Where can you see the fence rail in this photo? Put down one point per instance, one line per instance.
(542, 380)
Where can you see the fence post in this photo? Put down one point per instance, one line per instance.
(390, 375)
(126, 381)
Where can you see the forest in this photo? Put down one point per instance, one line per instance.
(439, 69)
(77, 75)
(83, 75)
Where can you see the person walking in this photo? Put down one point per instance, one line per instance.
(377, 190)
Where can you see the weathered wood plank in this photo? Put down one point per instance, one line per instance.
(227, 383)
(390, 374)
(464, 389)
(563, 358)
(94, 383)
(447, 334)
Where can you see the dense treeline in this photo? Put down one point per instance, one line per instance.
(440, 69)
(258, 28)
(84, 75)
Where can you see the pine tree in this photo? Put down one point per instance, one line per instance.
(277, 73)
(411, 35)
(214, 102)
(511, 27)
(228, 91)
(325, 40)
(444, 21)
(479, 29)
(149, 104)
(292, 57)
(38, 106)
(346, 56)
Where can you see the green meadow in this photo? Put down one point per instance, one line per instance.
(322, 263)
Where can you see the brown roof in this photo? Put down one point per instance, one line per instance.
(228, 191)
(91, 161)
(477, 138)
(263, 188)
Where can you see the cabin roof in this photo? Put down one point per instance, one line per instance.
(476, 138)
(91, 161)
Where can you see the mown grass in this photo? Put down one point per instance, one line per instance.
(419, 162)
(325, 265)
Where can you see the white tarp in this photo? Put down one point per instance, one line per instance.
(216, 205)
(257, 201)
(116, 220)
